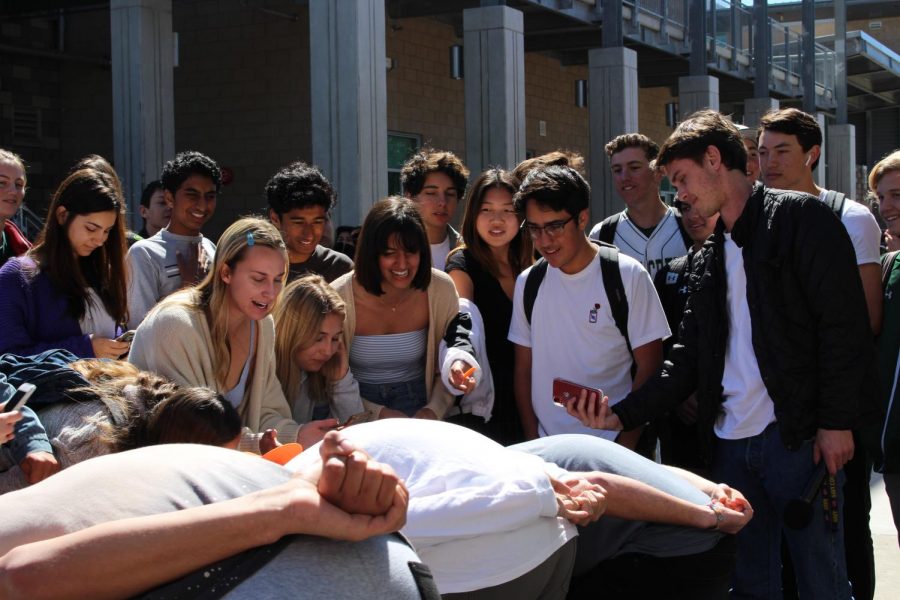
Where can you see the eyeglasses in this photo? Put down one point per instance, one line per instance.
(552, 229)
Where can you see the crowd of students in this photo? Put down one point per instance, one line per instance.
(737, 322)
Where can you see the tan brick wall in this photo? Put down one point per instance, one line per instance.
(652, 112)
(421, 97)
(550, 97)
(242, 93)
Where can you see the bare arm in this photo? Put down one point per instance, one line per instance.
(463, 283)
(628, 498)
(870, 274)
(522, 389)
(647, 359)
(101, 559)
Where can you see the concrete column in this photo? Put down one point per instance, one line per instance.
(819, 174)
(842, 159)
(494, 53)
(613, 105)
(696, 92)
(349, 102)
(755, 108)
(143, 50)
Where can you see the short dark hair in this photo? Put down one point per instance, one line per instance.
(632, 140)
(192, 415)
(149, 190)
(700, 130)
(427, 161)
(792, 121)
(299, 185)
(176, 171)
(393, 215)
(555, 187)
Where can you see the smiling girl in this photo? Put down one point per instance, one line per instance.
(12, 193)
(69, 290)
(398, 310)
(484, 268)
(220, 334)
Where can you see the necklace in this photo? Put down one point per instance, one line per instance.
(394, 306)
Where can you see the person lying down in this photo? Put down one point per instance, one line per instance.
(479, 515)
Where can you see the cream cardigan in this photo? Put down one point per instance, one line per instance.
(174, 341)
(443, 306)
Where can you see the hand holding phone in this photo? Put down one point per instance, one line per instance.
(566, 392)
(126, 337)
(19, 398)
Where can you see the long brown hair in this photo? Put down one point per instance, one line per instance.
(298, 319)
(86, 191)
(520, 248)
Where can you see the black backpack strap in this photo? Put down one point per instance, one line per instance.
(608, 228)
(835, 201)
(688, 242)
(887, 264)
(615, 290)
(532, 283)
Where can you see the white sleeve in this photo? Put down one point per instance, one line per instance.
(519, 327)
(864, 233)
(143, 289)
(646, 318)
(595, 232)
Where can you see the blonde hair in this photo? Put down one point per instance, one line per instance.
(7, 156)
(210, 295)
(298, 319)
(888, 164)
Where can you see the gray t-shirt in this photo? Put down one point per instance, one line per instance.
(154, 270)
(326, 262)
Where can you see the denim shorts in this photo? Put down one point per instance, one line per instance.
(405, 396)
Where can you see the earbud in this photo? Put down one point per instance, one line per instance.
(808, 160)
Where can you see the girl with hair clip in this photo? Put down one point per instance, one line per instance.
(484, 268)
(12, 193)
(221, 335)
(69, 291)
(398, 311)
(312, 364)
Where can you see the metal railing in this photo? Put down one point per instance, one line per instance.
(730, 38)
(28, 222)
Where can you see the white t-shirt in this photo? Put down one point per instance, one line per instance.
(439, 254)
(863, 229)
(747, 409)
(573, 336)
(479, 514)
(96, 319)
(654, 251)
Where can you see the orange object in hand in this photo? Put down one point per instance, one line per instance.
(469, 373)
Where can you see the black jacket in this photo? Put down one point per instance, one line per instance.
(811, 332)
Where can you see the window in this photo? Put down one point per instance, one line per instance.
(401, 146)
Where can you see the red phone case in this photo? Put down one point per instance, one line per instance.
(567, 391)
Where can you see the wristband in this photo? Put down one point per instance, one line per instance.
(720, 518)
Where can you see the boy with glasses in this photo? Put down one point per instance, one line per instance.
(571, 333)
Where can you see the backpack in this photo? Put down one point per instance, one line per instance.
(612, 283)
(887, 264)
(608, 230)
(835, 201)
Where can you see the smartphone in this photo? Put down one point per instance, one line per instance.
(126, 337)
(566, 391)
(19, 399)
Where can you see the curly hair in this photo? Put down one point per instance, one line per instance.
(176, 171)
(427, 161)
(299, 185)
